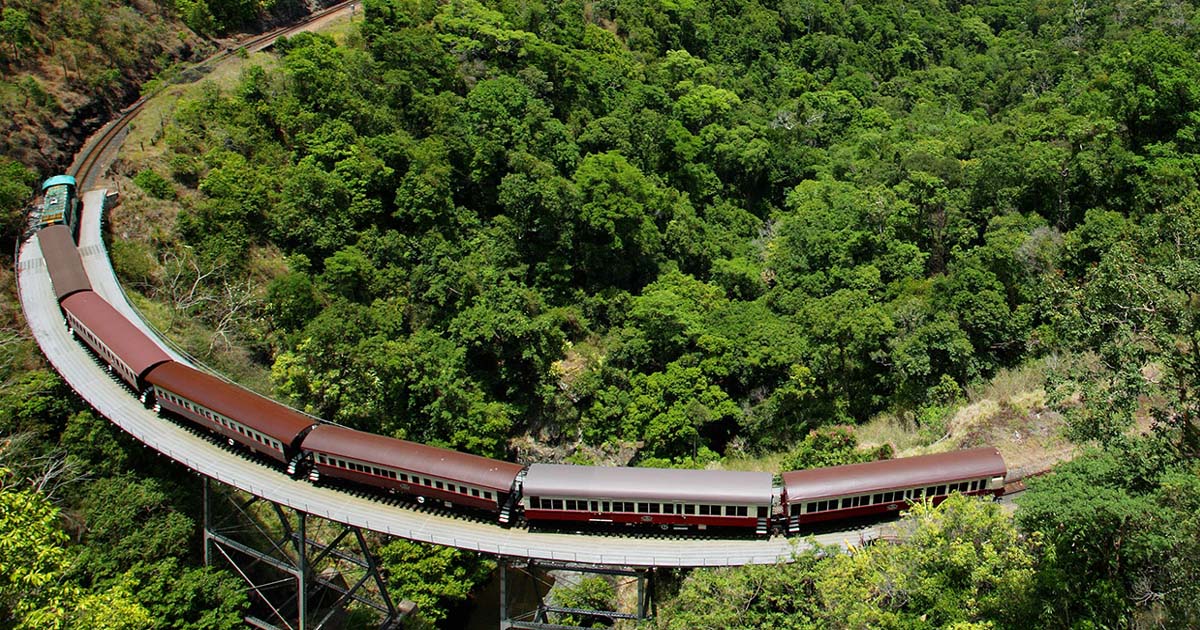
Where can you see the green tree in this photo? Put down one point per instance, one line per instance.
(435, 578)
(34, 560)
(16, 191)
(590, 593)
(832, 446)
(130, 520)
(962, 562)
(617, 236)
(754, 596)
(190, 598)
(1119, 526)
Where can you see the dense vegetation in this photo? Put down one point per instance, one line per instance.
(704, 228)
(95, 532)
(696, 227)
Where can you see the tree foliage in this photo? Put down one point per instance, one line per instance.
(436, 578)
(962, 564)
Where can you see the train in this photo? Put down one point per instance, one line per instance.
(60, 205)
(536, 494)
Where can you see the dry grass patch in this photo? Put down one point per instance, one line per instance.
(1010, 412)
(902, 433)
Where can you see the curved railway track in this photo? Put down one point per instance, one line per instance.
(200, 454)
(88, 165)
(197, 451)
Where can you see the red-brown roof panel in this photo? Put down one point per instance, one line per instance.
(62, 259)
(430, 460)
(923, 470)
(259, 413)
(124, 339)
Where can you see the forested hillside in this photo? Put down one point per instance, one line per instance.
(690, 230)
(691, 226)
(668, 233)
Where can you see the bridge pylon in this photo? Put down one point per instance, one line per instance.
(546, 613)
(295, 582)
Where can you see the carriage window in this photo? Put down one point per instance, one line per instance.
(689, 509)
(845, 503)
(941, 490)
(668, 508)
(604, 506)
(535, 503)
(557, 503)
(655, 508)
(643, 507)
(812, 507)
(487, 494)
(704, 511)
(877, 499)
(738, 510)
(571, 504)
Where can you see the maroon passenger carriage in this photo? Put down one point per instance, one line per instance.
(427, 472)
(260, 424)
(669, 498)
(67, 274)
(840, 492)
(120, 344)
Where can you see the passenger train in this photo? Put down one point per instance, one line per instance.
(539, 494)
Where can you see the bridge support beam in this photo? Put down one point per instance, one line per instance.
(294, 581)
(545, 615)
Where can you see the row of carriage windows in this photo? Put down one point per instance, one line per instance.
(99, 346)
(912, 494)
(221, 420)
(396, 475)
(582, 505)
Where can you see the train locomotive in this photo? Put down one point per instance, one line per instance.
(539, 494)
(60, 205)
